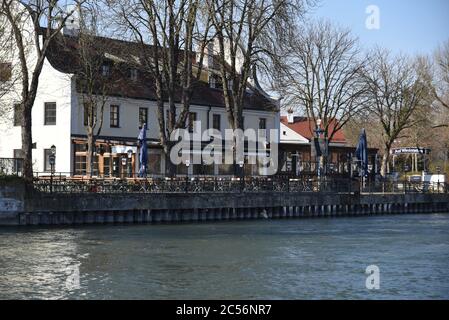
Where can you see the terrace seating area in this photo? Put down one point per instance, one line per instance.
(280, 183)
(59, 183)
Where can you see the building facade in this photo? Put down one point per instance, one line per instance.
(59, 117)
(298, 155)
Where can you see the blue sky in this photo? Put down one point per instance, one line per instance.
(408, 26)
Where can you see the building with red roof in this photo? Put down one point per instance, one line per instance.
(297, 147)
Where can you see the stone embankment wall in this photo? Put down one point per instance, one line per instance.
(17, 207)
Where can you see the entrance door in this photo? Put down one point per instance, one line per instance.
(126, 166)
(122, 166)
(295, 165)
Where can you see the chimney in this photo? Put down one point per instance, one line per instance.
(208, 59)
(290, 116)
(73, 24)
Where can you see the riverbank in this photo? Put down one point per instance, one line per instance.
(19, 207)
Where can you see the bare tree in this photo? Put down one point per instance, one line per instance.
(8, 78)
(441, 75)
(32, 48)
(397, 92)
(243, 30)
(95, 87)
(168, 32)
(320, 71)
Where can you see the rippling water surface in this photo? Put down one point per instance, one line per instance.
(288, 259)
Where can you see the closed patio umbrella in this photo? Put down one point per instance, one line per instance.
(362, 153)
(143, 151)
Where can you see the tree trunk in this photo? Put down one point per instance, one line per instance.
(325, 158)
(27, 143)
(385, 160)
(90, 155)
(170, 168)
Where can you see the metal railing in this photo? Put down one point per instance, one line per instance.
(60, 183)
(405, 187)
(312, 167)
(11, 167)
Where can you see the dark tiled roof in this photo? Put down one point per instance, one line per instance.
(64, 57)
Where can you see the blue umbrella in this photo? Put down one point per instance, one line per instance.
(362, 153)
(143, 151)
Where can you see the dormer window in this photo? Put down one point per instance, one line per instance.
(212, 82)
(215, 82)
(105, 70)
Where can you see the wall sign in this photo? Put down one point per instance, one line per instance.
(410, 151)
(123, 149)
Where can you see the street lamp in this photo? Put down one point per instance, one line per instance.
(52, 160)
(318, 132)
(242, 174)
(438, 172)
(129, 163)
(187, 175)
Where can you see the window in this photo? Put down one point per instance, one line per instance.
(95, 171)
(133, 74)
(5, 71)
(107, 166)
(81, 147)
(262, 124)
(216, 122)
(47, 166)
(50, 114)
(80, 165)
(143, 116)
(192, 119)
(105, 70)
(18, 163)
(86, 115)
(17, 115)
(211, 82)
(215, 82)
(230, 84)
(115, 116)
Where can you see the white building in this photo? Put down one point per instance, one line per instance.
(58, 117)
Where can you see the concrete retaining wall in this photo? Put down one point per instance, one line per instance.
(19, 208)
(11, 202)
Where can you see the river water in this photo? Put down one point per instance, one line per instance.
(283, 259)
